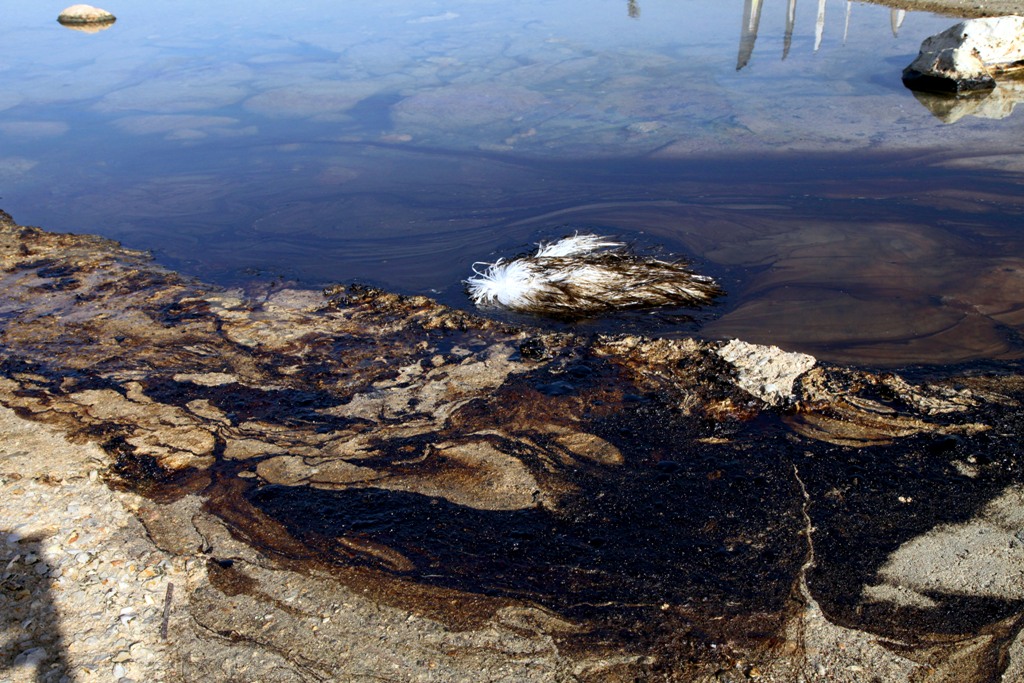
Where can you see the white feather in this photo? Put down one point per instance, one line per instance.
(576, 245)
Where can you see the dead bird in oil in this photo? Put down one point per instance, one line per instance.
(583, 275)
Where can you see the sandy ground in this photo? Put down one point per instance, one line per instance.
(958, 8)
(82, 589)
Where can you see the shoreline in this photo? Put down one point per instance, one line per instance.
(965, 9)
(225, 444)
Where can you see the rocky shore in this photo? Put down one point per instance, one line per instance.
(281, 485)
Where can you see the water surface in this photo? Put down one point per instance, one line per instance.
(397, 142)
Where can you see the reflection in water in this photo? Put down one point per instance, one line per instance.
(633, 9)
(790, 23)
(896, 18)
(997, 103)
(94, 27)
(846, 22)
(752, 20)
(819, 25)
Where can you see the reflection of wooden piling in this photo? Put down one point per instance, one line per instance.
(748, 35)
(846, 25)
(752, 18)
(633, 9)
(790, 22)
(819, 25)
(896, 18)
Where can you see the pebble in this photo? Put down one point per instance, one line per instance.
(30, 657)
(140, 651)
(85, 14)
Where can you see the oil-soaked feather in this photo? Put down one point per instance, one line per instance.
(587, 274)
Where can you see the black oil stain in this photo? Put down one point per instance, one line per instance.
(684, 537)
(861, 520)
(241, 403)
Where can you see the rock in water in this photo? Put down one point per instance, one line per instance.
(968, 56)
(766, 372)
(584, 275)
(77, 15)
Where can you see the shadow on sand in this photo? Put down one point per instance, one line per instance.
(31, 642)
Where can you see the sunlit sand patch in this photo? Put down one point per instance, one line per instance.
(980, 556)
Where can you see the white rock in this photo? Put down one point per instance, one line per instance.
(85, 14)
(766, 372)
(968, 55)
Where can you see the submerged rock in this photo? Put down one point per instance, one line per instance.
(968, 56)
(360, 476)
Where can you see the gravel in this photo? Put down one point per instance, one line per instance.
(82, 589)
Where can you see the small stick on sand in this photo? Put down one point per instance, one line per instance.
(167, 610)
